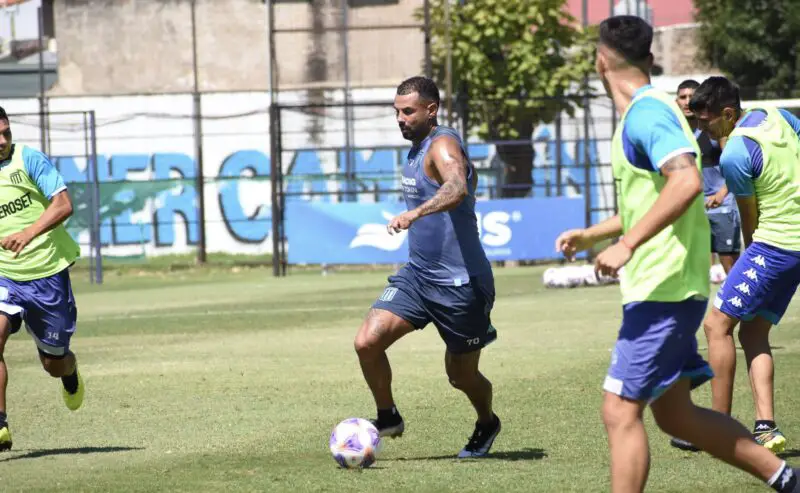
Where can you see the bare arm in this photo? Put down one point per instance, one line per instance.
(450, 171)
(610, 228)
(683, 185)
(57, 212)
(748, 210)
(576, 240)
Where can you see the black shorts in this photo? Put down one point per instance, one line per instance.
(726, 231)
(461, 314)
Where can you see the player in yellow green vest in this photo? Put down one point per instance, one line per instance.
(761, 165)
(664, 251)
(35, 254)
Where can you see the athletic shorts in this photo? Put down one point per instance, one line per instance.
(657, 346)
(461, 314)
(762, 282)
(47, 307)
(726, 231)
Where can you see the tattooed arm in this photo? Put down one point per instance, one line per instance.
(445, 163)
(684, 184)
(449, 169)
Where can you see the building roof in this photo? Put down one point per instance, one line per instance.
(11, 3)
(664, 12)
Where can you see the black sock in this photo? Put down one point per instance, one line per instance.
(3, 419)
(389, 416)
(785, 480)
(764, 425)
(70, 382)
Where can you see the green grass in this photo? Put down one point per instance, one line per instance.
(215, 380)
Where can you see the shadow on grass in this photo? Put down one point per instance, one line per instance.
(37, 453)
(507, 455)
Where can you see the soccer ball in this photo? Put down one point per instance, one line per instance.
(355, 443)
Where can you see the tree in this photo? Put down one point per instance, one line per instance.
(512, 60)
(753, 41)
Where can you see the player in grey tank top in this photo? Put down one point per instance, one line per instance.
(448, 280)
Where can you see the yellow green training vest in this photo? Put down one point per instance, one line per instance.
(777, 189)
(21, 205)
(673, 265)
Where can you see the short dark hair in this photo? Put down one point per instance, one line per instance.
(3, 115)
(425, 87)
(628, 35)
(715, 94)
(688, 84)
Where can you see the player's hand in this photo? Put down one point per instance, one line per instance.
(573, 241)
(16, 242)
(401, 222)
(612, 259)
(714, 201)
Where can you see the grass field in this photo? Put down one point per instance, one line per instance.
(222, 380)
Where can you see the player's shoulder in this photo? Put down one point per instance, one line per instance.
(735, 150)
(445, 133)
(33, 157)
(649, 108)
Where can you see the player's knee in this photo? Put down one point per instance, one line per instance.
(365, 345)
(54, 367)
(715, 326)
(617, 416)
(461, 378)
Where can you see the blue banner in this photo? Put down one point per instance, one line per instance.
(355, 233)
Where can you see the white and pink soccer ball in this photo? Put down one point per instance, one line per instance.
(355, 443)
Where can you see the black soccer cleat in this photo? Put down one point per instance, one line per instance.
(481, 440)
(683, 445)
(391, 430)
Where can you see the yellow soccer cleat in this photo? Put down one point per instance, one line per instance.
(5, 438)
(74, 401)
(772, 439)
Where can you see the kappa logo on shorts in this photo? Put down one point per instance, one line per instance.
(736, 301)
(743, 288)
(388, 294)
(751, 274)
(760, 261)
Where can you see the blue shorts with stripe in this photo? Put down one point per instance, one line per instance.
(761, 283)
(657, 346)
(47, 307)
(461, 314)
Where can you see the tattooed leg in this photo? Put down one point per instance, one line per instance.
(379, 331)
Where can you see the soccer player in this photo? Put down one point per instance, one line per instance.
(36, 252)
(664, 249)
(761, 164)
(723, 216)
(447, 281)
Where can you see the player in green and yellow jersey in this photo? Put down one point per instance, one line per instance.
(665, 287)
(761, 165)
(35, 254)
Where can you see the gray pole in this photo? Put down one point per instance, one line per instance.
(587, 175)
(198, 145)
(274, 137)
(348, 137)
(95, 190)
(448, 64)
(42, 104)
(428, 62)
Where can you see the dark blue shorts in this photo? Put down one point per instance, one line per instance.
(46, 306)
(762, 282)
(461, 314)
(726, 231)
(656, 347)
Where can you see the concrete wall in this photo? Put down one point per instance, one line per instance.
(676, 50)
(145, 46)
